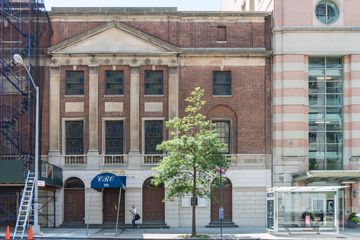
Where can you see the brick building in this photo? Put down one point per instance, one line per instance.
(117, 74)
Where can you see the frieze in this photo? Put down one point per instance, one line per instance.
(103, 60)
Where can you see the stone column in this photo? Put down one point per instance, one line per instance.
(93, 152)
(173, 92)
(134, 154)
(54, 116)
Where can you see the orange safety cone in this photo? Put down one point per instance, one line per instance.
(30, 234)
(7, 234)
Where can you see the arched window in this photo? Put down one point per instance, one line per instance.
(74, 183)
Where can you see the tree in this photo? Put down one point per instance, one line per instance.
(194, 155)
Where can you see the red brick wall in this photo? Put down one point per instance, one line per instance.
(182, 34)
(247, 107)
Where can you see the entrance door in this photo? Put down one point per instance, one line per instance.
(226, 201)
(110, 205)
(74, 202)
(153, 205)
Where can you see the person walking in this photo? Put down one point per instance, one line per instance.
(134, 215)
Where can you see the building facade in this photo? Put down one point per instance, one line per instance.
(117, 75)
(315, 135)
(315, 98)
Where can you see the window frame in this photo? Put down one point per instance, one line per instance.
(162, 83)
(66, 83)
(104, 135)
(143, 133)
(65, 135)
(231, 138)
(318, 155)
(326, 16)
(219, 37)
(214, 85)
(105, 83)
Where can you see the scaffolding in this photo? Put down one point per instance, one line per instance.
(25, 30)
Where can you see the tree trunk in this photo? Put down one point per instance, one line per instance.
(193, 226)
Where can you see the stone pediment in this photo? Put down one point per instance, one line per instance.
(113, 38)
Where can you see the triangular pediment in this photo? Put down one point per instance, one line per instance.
(113, 38)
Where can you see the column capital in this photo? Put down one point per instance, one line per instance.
(93, 69)
(55, 70)
(134, 69)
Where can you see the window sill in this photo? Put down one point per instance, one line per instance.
(113, 95)
(221, 41)
(74, 95)
(153, 95)
(218, 96)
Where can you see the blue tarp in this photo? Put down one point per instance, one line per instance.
(108, 180)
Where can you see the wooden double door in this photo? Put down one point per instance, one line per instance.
(74, 202)
(110, 205)
(74, 206)
(226, 202)
(153, 205)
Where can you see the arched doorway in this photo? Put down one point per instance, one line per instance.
(110, 205)
(74, 201)
(153, 205)
(226, 200)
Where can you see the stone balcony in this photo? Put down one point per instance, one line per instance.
(241, 161)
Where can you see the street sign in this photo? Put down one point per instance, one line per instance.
(194, 202)
(41, 183)
(221, 213)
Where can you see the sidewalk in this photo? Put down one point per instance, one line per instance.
(181, 233)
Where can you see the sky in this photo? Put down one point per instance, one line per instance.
(182, 5)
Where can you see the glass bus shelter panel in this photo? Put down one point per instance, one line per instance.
(306, 209)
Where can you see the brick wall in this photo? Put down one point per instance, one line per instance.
(247, 107)
(183, 33)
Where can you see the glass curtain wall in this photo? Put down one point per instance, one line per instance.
(325, 113)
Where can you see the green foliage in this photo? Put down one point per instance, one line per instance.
(355, 220)
(193, 153)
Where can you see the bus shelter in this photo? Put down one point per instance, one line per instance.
(304, 209)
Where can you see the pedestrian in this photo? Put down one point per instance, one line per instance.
(134, 216)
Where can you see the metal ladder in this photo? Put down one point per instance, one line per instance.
(25, 205)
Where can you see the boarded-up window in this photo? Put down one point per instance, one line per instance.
(221, 33)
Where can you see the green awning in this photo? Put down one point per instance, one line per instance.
(328, 176)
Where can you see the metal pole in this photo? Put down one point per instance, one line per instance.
(36, 195)
(221, 206)
(36, 227)
(118, 210)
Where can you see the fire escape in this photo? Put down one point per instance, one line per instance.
(25, 30)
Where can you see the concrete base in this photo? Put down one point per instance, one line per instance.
(36, 229)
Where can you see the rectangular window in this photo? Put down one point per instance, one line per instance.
(153, 83)
(223, 129)
(221, 33)
(114, 137)
(74, 83)
(114, 82)
(74, 137)
(154, 133)
(222, 83)
(325, 113)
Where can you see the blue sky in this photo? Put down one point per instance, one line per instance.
(182, 5)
